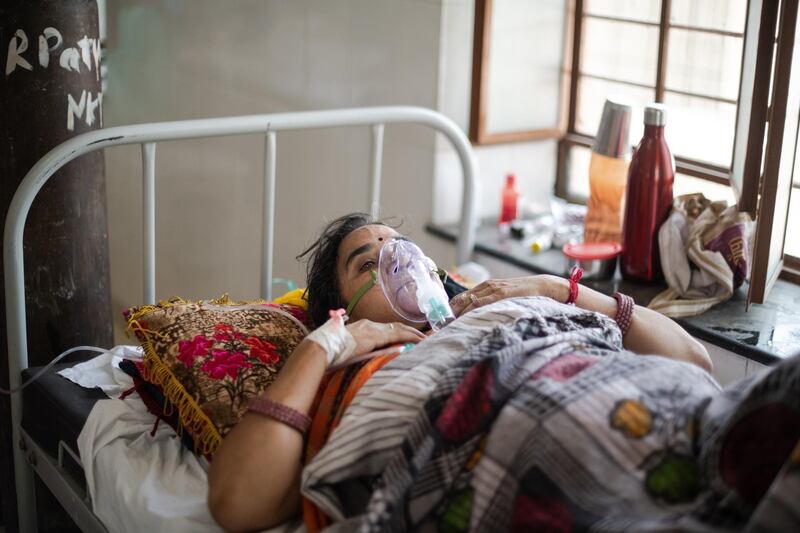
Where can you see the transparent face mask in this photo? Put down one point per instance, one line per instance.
(410, 281)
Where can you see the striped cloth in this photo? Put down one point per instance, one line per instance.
(528, 415)
(336, 392)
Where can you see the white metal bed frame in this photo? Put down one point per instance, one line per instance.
(27, 454)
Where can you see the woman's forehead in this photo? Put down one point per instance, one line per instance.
(366, 235)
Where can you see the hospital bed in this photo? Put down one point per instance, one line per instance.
(46, 446)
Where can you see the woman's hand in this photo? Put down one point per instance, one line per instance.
(493, 290)
(650, 332)
(371, 335)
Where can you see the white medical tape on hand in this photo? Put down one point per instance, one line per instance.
(333, 337)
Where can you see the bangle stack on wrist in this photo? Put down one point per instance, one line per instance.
(574, 277)
(624, 317)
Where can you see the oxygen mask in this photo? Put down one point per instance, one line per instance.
(411, 283)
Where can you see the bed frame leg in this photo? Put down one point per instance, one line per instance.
(23, 474)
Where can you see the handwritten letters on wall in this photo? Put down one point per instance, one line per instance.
(22, 55)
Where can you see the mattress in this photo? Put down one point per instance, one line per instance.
(54, 408)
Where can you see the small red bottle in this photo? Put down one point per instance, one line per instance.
(508, 210)
(648, 200)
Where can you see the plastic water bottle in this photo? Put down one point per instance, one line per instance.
(508, 209)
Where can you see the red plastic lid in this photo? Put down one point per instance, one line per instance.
(587, 251)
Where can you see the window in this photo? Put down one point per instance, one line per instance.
(518, 51)
(701, 58)
(684, 53)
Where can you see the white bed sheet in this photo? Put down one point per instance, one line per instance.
(139, 482)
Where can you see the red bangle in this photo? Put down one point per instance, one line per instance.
(282, 413)
(624, 316)
(575, 276)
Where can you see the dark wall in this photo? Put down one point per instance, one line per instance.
(49, 92)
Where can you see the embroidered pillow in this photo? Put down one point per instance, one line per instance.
(210, 358)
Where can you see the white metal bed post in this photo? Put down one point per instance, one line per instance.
(269, 215)
(149, 222)
(148, 135)
(375, 163)
(16, 329)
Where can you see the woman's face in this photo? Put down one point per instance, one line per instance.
(358, 256)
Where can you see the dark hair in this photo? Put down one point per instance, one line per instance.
(322, 286)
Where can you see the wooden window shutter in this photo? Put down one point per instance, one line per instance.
(779, 159)
(518, 83)
(751, 118)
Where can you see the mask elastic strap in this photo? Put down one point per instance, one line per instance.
(362, 291)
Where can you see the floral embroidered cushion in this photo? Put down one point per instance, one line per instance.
(210, 358)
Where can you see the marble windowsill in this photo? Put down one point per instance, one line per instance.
(765, 333)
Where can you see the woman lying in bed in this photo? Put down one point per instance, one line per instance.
(254, 481)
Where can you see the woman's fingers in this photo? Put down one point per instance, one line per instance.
(456, 303)
(371, 335)
(399, 327)
(493, 290)
(474, 301)
(459, 302)
(481, 295)
(481, 301)
(399, 332)
(417, 332)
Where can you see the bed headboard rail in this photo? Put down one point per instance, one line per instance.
(148, 135)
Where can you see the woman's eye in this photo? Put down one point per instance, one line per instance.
(368, 265)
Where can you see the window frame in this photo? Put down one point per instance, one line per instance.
(791, 265)
(572, 137)
(481, 43)
(787, 267)
(568, 136)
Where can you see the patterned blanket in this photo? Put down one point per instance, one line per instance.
(529, 415)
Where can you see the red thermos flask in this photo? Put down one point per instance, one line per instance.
(648, 199)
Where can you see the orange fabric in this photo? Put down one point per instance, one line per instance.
(335, 393)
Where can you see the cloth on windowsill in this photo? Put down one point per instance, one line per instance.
(706, 253)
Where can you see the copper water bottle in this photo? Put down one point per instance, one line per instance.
(608, 173)
(648, 199)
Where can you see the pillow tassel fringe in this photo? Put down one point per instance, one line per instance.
(190, 414)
